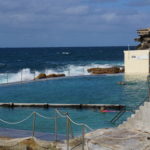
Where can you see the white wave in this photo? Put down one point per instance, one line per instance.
(22, 75)
(65, 53)
(73, 70)
(70, 70)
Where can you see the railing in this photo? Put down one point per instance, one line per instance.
(69, 121)
(8, 78)
(58, 114)
(132, 109)
(118, 115)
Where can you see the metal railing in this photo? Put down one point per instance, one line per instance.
(118, 115)
(68, 122)
(132, 109)
(6, 78)
(58, 114)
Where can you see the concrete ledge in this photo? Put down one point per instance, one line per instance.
(76, 106)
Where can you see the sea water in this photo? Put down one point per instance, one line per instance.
(78, 88)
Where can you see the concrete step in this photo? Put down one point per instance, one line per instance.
(122, 125)
(140, 120)
(136, 111)
(124, 122)
(146, 103)
(132, 116)
(141, 107)
(138, 116)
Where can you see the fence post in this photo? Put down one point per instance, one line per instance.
(67, 130)
(21, 75)
(83, 134)
(55, 127)
(34, 76)
(148, 83)
(7, 77)
(71, 130)
(33, 127)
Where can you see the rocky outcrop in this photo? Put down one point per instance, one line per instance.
(144, 39)
(112, 70)
(55, 75)
(43, 76)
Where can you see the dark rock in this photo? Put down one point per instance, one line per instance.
(112, 70)
(144, 39)
(41, 76)
(55, 75)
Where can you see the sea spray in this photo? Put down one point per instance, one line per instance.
(26, 74)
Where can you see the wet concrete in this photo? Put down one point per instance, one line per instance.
(14, 133)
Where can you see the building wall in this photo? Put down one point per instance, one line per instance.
(137, 61)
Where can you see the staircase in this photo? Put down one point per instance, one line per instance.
(140, 120)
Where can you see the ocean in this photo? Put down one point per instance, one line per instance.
(79, 87)
(70, 61)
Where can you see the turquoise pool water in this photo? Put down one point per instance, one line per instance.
(101, 89)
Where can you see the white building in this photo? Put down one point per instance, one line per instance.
(137, 61)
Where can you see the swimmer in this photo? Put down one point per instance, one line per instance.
(103, 110)
(121, 83)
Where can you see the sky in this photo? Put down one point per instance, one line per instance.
(59, 23)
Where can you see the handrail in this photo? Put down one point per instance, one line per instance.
(78, 124)
(82, 125)
(45, 117)
(60, 115)
(13, 123)
(147, 98)
(119, 114)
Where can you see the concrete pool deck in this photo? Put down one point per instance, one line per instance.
(133, 134)
(14, 133)
(118, 139)
(101, 139)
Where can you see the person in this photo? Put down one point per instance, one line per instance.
(121, 83)
(103, 110)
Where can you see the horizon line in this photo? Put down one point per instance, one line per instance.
(66, 46)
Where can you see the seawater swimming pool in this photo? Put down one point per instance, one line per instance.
(102, 89)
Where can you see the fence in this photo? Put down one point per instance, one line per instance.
(20, 77)
(58, 114)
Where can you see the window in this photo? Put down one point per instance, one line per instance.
(133, 56)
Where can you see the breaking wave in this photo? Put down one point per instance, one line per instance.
(69, 70)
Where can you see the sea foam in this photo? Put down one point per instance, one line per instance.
(26, 74)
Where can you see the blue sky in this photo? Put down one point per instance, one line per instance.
(34, 23)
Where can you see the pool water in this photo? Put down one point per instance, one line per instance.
(102, 89)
